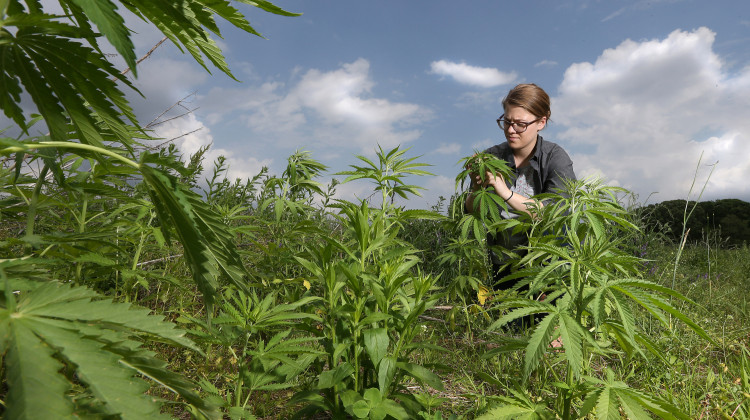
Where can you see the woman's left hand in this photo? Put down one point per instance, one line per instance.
(494, 179)
(497, 182)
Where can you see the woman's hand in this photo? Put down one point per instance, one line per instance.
(494, 179)
(497, 182)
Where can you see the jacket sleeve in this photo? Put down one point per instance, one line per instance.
(559, 168)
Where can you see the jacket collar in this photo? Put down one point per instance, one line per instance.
(535, 157)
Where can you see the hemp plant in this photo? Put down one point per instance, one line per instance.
(487, 204)
(591, 286)
(66, 350)
(372, 296)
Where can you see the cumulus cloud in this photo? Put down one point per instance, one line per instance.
(336, 108)
(191, 135)
(644, 112)
(164, 82)
(483, 77)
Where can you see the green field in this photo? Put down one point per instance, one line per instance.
(136, 286)
(315, 307)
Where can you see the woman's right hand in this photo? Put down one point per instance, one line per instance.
(476, 181)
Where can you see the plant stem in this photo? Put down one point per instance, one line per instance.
(81, 229)
(31, 216)
(69, 145)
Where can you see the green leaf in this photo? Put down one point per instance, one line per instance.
(103, 13)
(572, 338)
(393, 409)
(538, 343)
(269, 7)
(632, 407)
(32, 377)
(54, 300)
(93, 338)
(376, 343)
(509, 412)
(590, 402)
(360, 409)
(209, 247)
(20, 66)
(386, 373)
(606, 406)
(422, 374)
(225, 10)
(110, 381)
(333, 377)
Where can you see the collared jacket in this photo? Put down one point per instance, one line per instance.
(550, 166)
(550, 163)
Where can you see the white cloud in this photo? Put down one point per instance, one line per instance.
(335, 108)
(191, 135)
(451, 149)
(463, 73)
(546, 63)
(647, 110)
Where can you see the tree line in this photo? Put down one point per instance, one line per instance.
(727, 220)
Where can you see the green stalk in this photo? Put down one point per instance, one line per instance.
(69, 145)
(238, 386)
(139, 249)
(568, 394)
(81, 229)
(31, 215)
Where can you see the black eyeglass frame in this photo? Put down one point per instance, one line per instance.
(522, 124)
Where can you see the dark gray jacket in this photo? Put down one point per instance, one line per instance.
(551, 166)
(550, 162)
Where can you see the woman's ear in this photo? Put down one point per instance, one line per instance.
(542, 123)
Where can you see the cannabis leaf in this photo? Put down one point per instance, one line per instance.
(57, 325)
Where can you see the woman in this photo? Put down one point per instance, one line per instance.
(540, 166)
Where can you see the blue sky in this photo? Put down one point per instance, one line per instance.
(640, 89)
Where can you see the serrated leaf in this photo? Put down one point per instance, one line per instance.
(110, 381)
(32, 376)
(538, 343)
(103, 13)
(572, 338)
(209, 248)
(606, 406)
(507, 412)
(95, 258)
(74, 304)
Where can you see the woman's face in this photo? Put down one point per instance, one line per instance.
(518, 139)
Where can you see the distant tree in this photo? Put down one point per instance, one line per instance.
(734, 228)
(728, 218)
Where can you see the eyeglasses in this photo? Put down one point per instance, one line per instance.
(518, 126)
